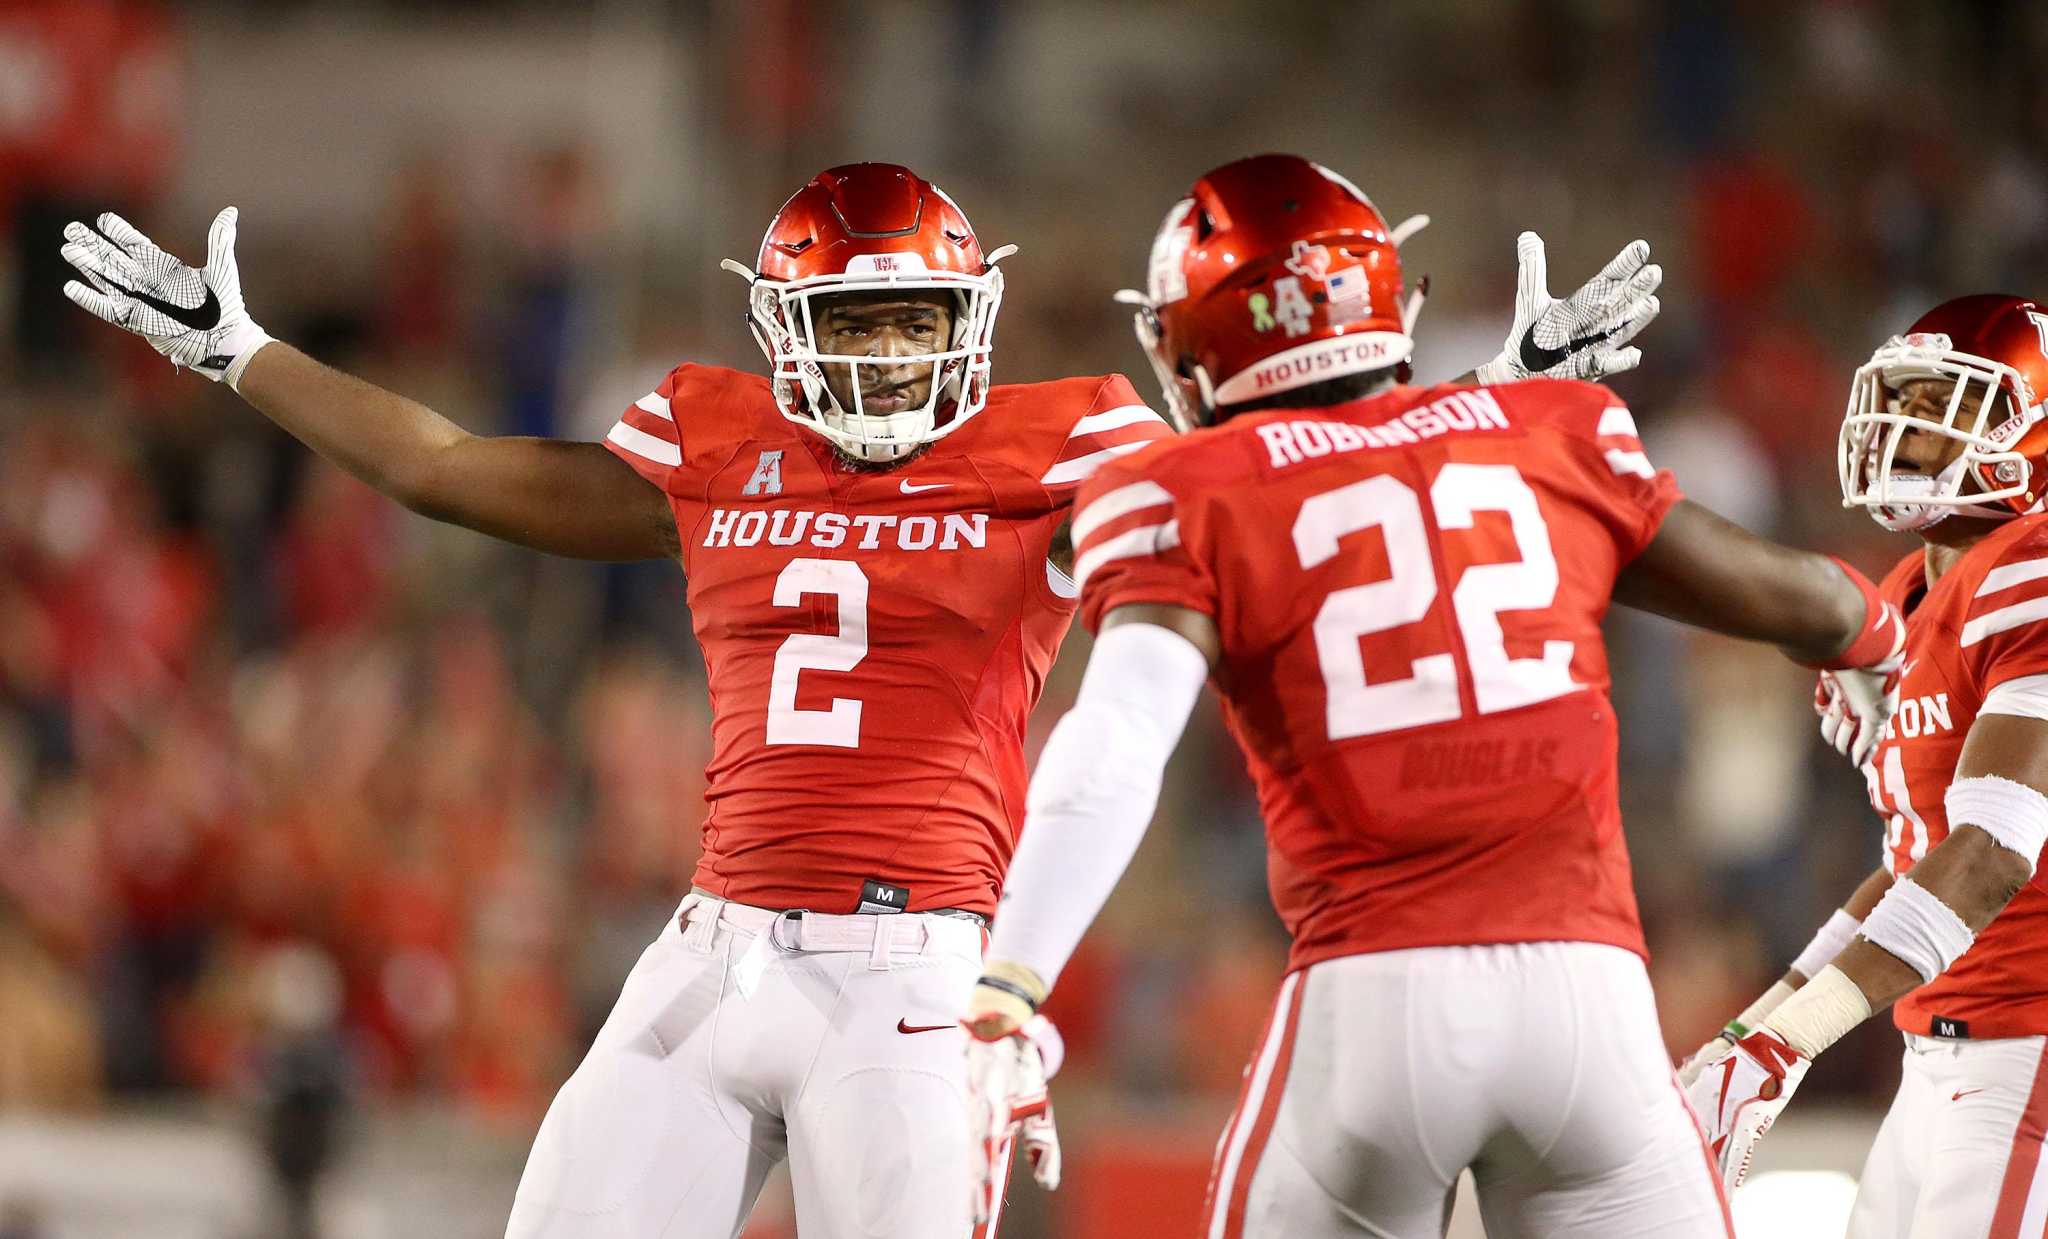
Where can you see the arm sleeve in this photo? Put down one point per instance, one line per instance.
(1130, 546)
(1094, 792)
(647, 438)
(1114, 424)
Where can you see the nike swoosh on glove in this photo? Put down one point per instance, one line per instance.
(194, 316)
(1738, 1095)
(1583, 336)
(1007, 1100)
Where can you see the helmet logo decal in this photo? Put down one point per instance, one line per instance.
(1261, 307)
(767, 479)
(1165, 280)
(1312, 261)
(2040, 322)
(886, 264)
(1291, 305)
(1347, 290)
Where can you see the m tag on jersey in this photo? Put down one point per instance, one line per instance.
(882, 897)
(1953, 1030)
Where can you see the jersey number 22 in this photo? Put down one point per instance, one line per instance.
(1429, 694)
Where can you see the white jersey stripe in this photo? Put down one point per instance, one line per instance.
(2005, 576)
(2026, 696)
(1079, 468)
(1998, 621)
(1617, 421)
(1144, 540)
(1122, 501)
(656, 403)
(1626, 463)
(1112, 419)
(1247, 1114)
(642, 444)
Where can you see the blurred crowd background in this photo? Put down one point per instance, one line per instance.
(335, 831)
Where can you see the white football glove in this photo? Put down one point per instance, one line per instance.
(193, 316)
(1690, 1069)
(1739, 1093)
(1006, 1089)
(1855, 707)
(1582, 336)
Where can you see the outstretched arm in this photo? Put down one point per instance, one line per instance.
(567, 498)
(1712, 573)
(574, 499)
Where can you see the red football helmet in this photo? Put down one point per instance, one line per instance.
(1273, 273)
(872, 227)
(1993, 342)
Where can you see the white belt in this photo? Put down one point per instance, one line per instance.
(882, 935)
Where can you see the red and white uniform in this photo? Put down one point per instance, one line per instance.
(875, 641)
(1409, 591)
(1960, 1152)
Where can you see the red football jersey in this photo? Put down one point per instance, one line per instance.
(1409, 591)
(1981, 625)
(874, 639)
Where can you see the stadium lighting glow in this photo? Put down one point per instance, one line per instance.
(1794, 1204)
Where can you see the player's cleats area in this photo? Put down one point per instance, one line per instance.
(1739, 1094)
(194, 316)
(1585, 335)
(1007, 1101)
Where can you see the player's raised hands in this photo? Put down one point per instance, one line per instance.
(192, 315)
(1585, 335)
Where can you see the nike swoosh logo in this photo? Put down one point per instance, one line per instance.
(913, 488)
(1536, 359)
(202, 317)
(1908, 668)
(1964, 1092)
(905, 1026)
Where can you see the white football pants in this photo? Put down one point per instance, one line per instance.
(1959, 1154)
(1538, 1065)
(744, 1036)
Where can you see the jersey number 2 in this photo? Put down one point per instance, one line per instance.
(1429, 694)
(839, 726)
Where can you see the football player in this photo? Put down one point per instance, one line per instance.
(874, 540)
(1946, 437)
(1397, 592)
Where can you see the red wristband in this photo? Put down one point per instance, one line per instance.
(1884, 630)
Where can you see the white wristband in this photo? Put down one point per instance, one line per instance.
(1828, 943)
(233, 376)
(2013, 814)
(1914, 924)
(1823, 1010)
